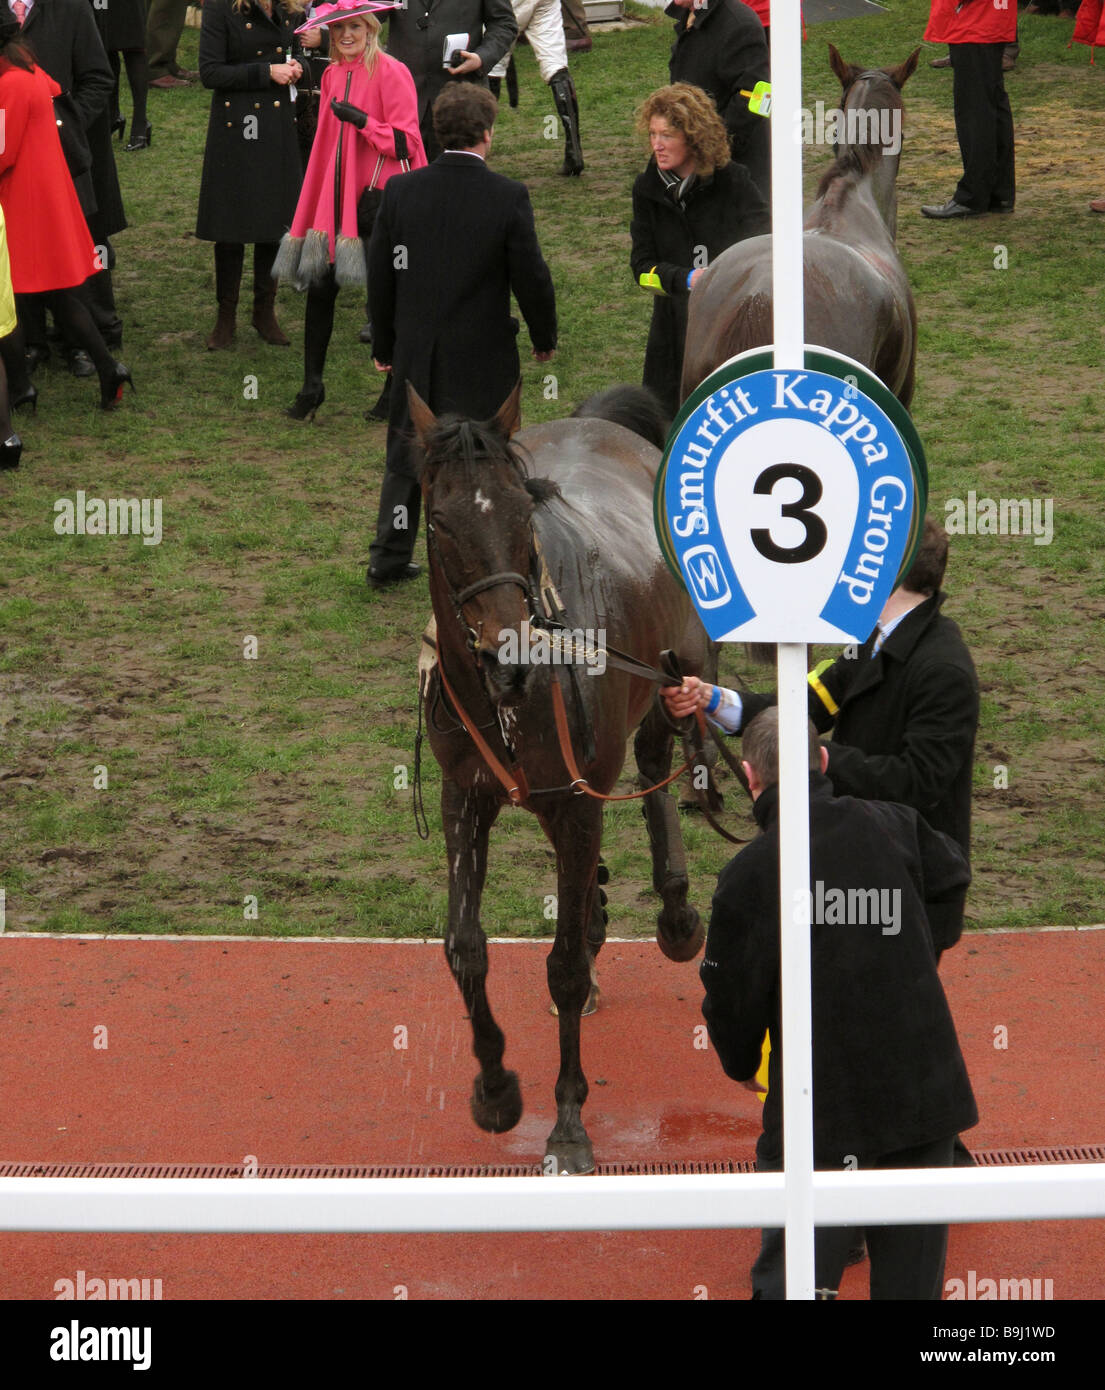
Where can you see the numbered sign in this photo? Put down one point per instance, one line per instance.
(786, 503)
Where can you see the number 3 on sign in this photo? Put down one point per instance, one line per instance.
(815, 533)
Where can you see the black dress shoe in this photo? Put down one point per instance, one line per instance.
(36, 355)
(996, 205)
(383, 579)
(80, 364)
(950, 209)
(365, 335)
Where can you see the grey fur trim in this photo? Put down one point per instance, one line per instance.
(314, 262)
(287, 257)
(349, 266)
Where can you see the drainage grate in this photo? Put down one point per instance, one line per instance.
(986, 1158)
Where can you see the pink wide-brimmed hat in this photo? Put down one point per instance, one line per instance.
(345, 9)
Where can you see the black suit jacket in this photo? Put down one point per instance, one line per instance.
(489, 24)
(905, 727)
(725, 52)
(66, 44)
(450, 243)
(888, 1072)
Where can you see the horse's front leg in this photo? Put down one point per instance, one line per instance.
(679, 929)
(576, 834)
(468, 816)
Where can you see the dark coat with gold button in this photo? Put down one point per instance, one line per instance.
(251, 164)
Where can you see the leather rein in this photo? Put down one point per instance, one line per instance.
(546, 612)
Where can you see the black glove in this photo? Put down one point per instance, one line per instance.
(346, 111)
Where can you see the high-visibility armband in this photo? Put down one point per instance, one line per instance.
(819, 690)
(651, 281)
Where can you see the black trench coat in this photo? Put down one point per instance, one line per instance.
(66, 44)
(251, 164)
(721, 210)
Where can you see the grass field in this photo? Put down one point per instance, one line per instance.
(153, 777)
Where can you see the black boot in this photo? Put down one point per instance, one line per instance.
(318, 325)
(229, 258)
(567, 108)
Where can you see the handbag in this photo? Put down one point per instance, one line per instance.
(368, 204)
(74, 144)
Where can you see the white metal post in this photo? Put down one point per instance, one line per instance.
(794, 849)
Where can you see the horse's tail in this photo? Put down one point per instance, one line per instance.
(635, 407)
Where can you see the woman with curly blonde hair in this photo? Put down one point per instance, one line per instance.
(691, 203)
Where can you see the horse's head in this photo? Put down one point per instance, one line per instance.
(869, 131)
(479, 505)
(871, 100)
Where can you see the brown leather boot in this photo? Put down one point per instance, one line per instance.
(228, 275)
(264, 295)
(222, 335)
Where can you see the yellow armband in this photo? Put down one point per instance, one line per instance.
(759, 99)
(819, 690)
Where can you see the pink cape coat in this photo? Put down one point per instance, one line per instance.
(389, 97)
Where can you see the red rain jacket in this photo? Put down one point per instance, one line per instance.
(977, 21)
(1089, 27)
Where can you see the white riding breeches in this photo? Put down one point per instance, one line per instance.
(541, 22)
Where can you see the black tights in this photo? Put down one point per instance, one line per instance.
(75, 325)
(317, 327)
(138, 79)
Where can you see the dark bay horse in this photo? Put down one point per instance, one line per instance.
(857, 295)
(566, 504)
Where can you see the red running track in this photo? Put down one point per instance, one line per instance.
(287, 1051)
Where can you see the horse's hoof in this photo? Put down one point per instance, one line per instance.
(566, 1160)
(680, 939)
(589, 1008)
(499, 1110)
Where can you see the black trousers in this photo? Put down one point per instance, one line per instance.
(983, 126)
(397, 523)
(907, 1262)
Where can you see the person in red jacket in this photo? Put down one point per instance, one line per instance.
(49, 246)
(976, 32)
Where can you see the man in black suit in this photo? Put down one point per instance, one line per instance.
(890, 1088)
(417, 34)
(903, 709)
(450, 243)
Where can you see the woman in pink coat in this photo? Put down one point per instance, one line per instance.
(367, 131)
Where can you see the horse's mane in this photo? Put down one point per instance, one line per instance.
(459, 442)
(848, 168)
(634, 407)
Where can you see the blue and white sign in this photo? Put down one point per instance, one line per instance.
(789, 503)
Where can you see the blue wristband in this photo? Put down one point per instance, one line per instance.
(715, 700)
(689, 274)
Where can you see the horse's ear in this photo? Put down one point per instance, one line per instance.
(847, 72)
(508, 418)
(422, 417)
(904, 71)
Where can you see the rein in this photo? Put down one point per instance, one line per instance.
(546, 611)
